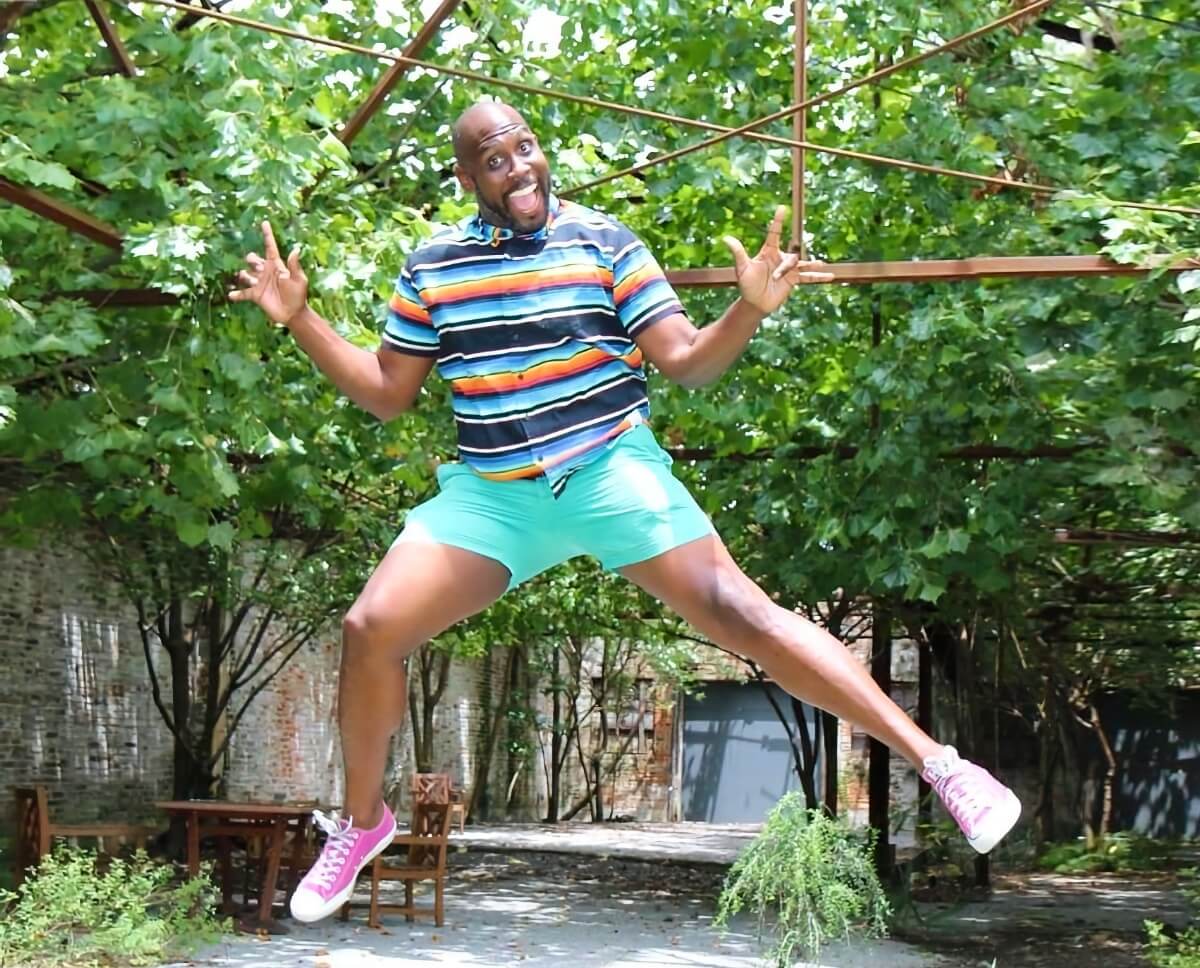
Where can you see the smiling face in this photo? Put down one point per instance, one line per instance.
(500, 161)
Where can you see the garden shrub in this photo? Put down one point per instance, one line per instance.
(75, 912)
(809, 879)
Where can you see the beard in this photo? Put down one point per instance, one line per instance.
(499, 214)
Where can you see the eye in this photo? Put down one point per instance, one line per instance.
(526, 147)
(493, 162)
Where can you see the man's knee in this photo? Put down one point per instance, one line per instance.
(750, 619)
(369, 630)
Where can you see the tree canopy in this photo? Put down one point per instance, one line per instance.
(926, 444)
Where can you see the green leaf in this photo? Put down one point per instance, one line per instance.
(191, 528)
(332, 147)
(882, 530)
(47, 174)
(932, 589)
(221, 536)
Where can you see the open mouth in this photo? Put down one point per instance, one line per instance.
(525, 201)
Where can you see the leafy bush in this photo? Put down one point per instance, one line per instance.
(809, 879)
(1181, 950)
(72, 913)
(1115, 853)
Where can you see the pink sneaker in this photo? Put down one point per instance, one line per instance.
(983, 807)
(348, 849)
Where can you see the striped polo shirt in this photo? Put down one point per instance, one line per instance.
(534, 333)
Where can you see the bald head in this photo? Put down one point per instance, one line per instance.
(498, 158)
(480, 121)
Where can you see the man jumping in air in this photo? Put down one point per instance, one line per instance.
(539, 313)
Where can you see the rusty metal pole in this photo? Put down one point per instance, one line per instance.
(799, 127)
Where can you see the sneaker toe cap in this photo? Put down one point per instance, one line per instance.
(308, 905)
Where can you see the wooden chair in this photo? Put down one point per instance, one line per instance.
(437, 788)
(36, 831)
(426, 861)
(430, 788)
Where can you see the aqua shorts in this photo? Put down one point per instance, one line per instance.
(623, 507)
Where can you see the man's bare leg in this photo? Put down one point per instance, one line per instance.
(418, 591)
(703, 584)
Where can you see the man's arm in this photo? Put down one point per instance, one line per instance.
(694, 357)
(384, 383)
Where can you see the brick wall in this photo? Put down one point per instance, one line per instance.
(76, 712)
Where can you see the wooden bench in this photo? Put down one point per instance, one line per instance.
(36, 831)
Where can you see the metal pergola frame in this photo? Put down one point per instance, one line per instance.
(853, 273)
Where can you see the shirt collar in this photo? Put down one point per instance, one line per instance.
(483, 230)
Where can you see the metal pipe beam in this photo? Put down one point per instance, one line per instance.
(688, 122)
(109, 32)
(68, 216)
(389, 80)
(945, 270)
(799, 126)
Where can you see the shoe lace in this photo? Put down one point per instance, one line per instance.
(954, 784)
(340, 840)
(961, 795)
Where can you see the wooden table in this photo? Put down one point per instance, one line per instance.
(269, 823)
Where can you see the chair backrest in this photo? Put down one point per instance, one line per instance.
(33, 829)
(430, 788)
(430, 823)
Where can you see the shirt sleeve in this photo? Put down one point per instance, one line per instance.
(641, 292)
(409, 328)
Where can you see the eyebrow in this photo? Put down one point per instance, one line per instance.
(508, 129)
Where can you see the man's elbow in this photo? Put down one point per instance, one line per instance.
(385, 410)
(687, 376)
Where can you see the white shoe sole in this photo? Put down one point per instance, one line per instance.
(341, 897)
(997, 825)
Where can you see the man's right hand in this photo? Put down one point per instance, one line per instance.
(279, 288)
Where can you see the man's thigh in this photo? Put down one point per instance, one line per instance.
(420, 589)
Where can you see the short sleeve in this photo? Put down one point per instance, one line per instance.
(409, 328)
(641, 292)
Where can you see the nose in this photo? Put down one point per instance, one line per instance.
(520, 168)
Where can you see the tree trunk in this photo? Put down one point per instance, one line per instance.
(879, 760)
(1104, 825)
(487, 740)
(830, 734)
(925, 722)
(215, 672)
(556, 739)
(808, 754)
(178, 654)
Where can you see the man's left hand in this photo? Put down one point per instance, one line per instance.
(767, 280)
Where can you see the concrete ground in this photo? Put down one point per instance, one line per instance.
(545, 911)
(644, 897)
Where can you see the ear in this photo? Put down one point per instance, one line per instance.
(464, 178)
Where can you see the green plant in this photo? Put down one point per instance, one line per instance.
(74, 913)
(1180, 950)
(810, 878)
(1114, 853)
